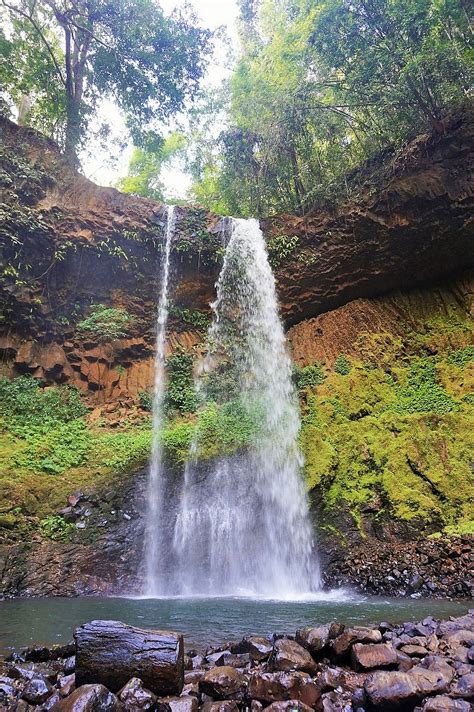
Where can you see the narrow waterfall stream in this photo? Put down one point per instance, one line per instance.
(242, 524)
(155, 498)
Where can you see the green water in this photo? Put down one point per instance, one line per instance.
(204, 621)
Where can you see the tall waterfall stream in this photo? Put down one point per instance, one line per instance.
(240, 525)
(155, 499)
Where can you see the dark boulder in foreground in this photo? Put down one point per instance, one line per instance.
(111, 653)
(89, 698)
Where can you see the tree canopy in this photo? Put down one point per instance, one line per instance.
(322, 85)
(65, 55)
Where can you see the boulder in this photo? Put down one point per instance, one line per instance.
(372, 655)
(414, 651)
(359, 634)
(89, 698)
(221, 706)
(256, 646)
(443, 703)
(463, 687)
(111, 653)
(223, 683)
(288, 706)
(234, 660)
(37, 690)
(185, 703)
(134, 696)
(316, 639)
(268, 687)
(66, 685)
(388, 691)
(290, 655)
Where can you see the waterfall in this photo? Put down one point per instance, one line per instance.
(242, 524)
(155, 496)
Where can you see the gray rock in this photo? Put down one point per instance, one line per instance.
(463, 687)
(36, 691)
(134, 696)
(443, 703)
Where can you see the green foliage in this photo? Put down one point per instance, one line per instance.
(105, 324)
(69, 55)
(280, 247)
(461, 357)
(422, 392)
(342, 365)
(56, 450)
(146, 400)
(193, 317)
(145, 167)
(56, 528)
(180, 394)
(124, 451)
(319, 87)
(222, 430)
(28, 410)
(308, 376)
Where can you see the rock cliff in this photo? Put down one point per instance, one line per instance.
(380, 280)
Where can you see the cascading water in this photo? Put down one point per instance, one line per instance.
(242, 524)
(155, 514)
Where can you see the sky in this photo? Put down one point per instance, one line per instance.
(214, 14)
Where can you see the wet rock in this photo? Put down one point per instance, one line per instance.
(316, 639)
(198, 662)
(337, 701)
(257, 647)
(184, 703)
(89, 698)
(193, 676)
(290, 655)
(388, 691)
(268, 687)
(66, 685)
(37, 691)
(222, 706)
(370, 656)
(213, 658)
(238, 661)
(69, 665)
(443, 703)
(111, 652)
(463, 687)
(342, 644)
(51, 702)
(6, 690)
(289, 706)
(330, 678)
(223, 683)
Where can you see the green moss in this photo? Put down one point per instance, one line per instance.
(398, 441)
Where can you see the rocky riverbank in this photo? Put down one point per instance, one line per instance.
(424, 667)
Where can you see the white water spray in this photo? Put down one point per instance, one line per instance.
(242, 525)
(155, 513)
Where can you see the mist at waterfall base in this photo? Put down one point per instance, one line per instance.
(238, 526)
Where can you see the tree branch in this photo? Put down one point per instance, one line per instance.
(40, 33)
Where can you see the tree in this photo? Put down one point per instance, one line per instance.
(145, 167)
(128, 50)
(322, 85)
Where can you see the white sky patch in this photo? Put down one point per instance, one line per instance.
(99, 167)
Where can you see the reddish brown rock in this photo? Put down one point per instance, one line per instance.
(185, 703)
(223, 683)
(443, 703)
(343, 643)
(289, 655)
(257, 647)
(271, 687)
(89, 698)
(371, 656)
